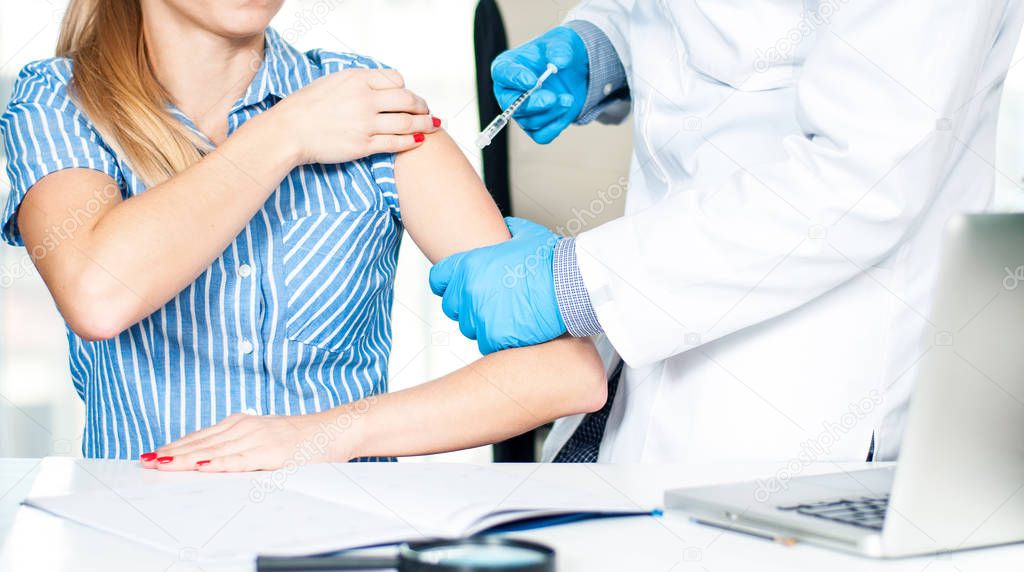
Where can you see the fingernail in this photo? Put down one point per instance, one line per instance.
(164, 460)
(147, 456)
(202, 463)
(419, 138)
(437, 122)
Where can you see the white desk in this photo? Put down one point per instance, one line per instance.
(37, 541)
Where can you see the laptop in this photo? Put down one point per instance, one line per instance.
(959, 483)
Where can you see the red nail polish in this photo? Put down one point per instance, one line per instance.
(202, 463)
(164, 460)
(419, 138)
(147, 456)
(437, 122)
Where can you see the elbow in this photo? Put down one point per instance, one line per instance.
(95, 311)
(596, 391)
(94, 325)
(596, 394)
(589, 385)
(95, 330)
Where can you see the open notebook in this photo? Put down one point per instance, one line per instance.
(328, 507)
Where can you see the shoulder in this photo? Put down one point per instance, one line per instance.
(331, 62)
(43, 81)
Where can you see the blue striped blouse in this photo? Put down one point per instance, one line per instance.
(293, 317)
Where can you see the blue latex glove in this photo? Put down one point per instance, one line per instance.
(503, 296)
(556, 105)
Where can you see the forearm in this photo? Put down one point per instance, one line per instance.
(184, 223)
(497, 397)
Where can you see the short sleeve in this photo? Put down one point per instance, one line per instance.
(382, 165)
(44, 132)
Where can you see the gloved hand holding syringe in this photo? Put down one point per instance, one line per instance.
(499, 123)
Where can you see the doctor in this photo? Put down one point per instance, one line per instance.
(794, 165)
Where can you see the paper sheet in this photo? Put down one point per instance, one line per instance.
(201, 522)
(328, 507)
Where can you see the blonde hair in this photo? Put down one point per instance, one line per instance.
(114, 85)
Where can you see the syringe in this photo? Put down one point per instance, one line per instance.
(499, 123)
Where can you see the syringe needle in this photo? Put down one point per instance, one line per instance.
(487, 135)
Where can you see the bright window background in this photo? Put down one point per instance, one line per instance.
(430, 41)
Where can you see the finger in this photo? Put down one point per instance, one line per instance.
(520, 227)
(548, 133)
(506, 98)
(558, 114)
(220, 427)
(239, 429)
(383, 79)
(395, 143)
(400, 101)
(537, 123)
(486, 346)
(405, 124)
(467, 325)
(542, 100)
(560, 53)
(450, 303)
(530, 55)
(242, 462)
(510, 74)
(212, 442)
(442, 273)
(190, 461)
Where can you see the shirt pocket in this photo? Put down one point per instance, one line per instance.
(331, 276)
(749, 46)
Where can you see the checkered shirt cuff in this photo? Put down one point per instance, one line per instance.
(608, 83)
(573, 299)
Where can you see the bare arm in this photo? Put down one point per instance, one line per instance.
(127, 258)
(446, 209)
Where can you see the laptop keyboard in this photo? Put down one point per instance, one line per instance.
(865, 512)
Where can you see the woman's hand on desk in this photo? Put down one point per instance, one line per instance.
(352, 114)
(253, 443)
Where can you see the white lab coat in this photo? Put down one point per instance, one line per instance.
(794, 165)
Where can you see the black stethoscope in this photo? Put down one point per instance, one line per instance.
(479, 554)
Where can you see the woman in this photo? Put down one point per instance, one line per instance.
(237, 211)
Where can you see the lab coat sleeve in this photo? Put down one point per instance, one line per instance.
(880, 102)
(613, 18)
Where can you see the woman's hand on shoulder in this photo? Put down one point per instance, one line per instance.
(263, 443)
(351, 114)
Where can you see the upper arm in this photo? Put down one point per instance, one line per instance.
(445, 206)
(44, 132)
(57, 213)
(63, 177)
